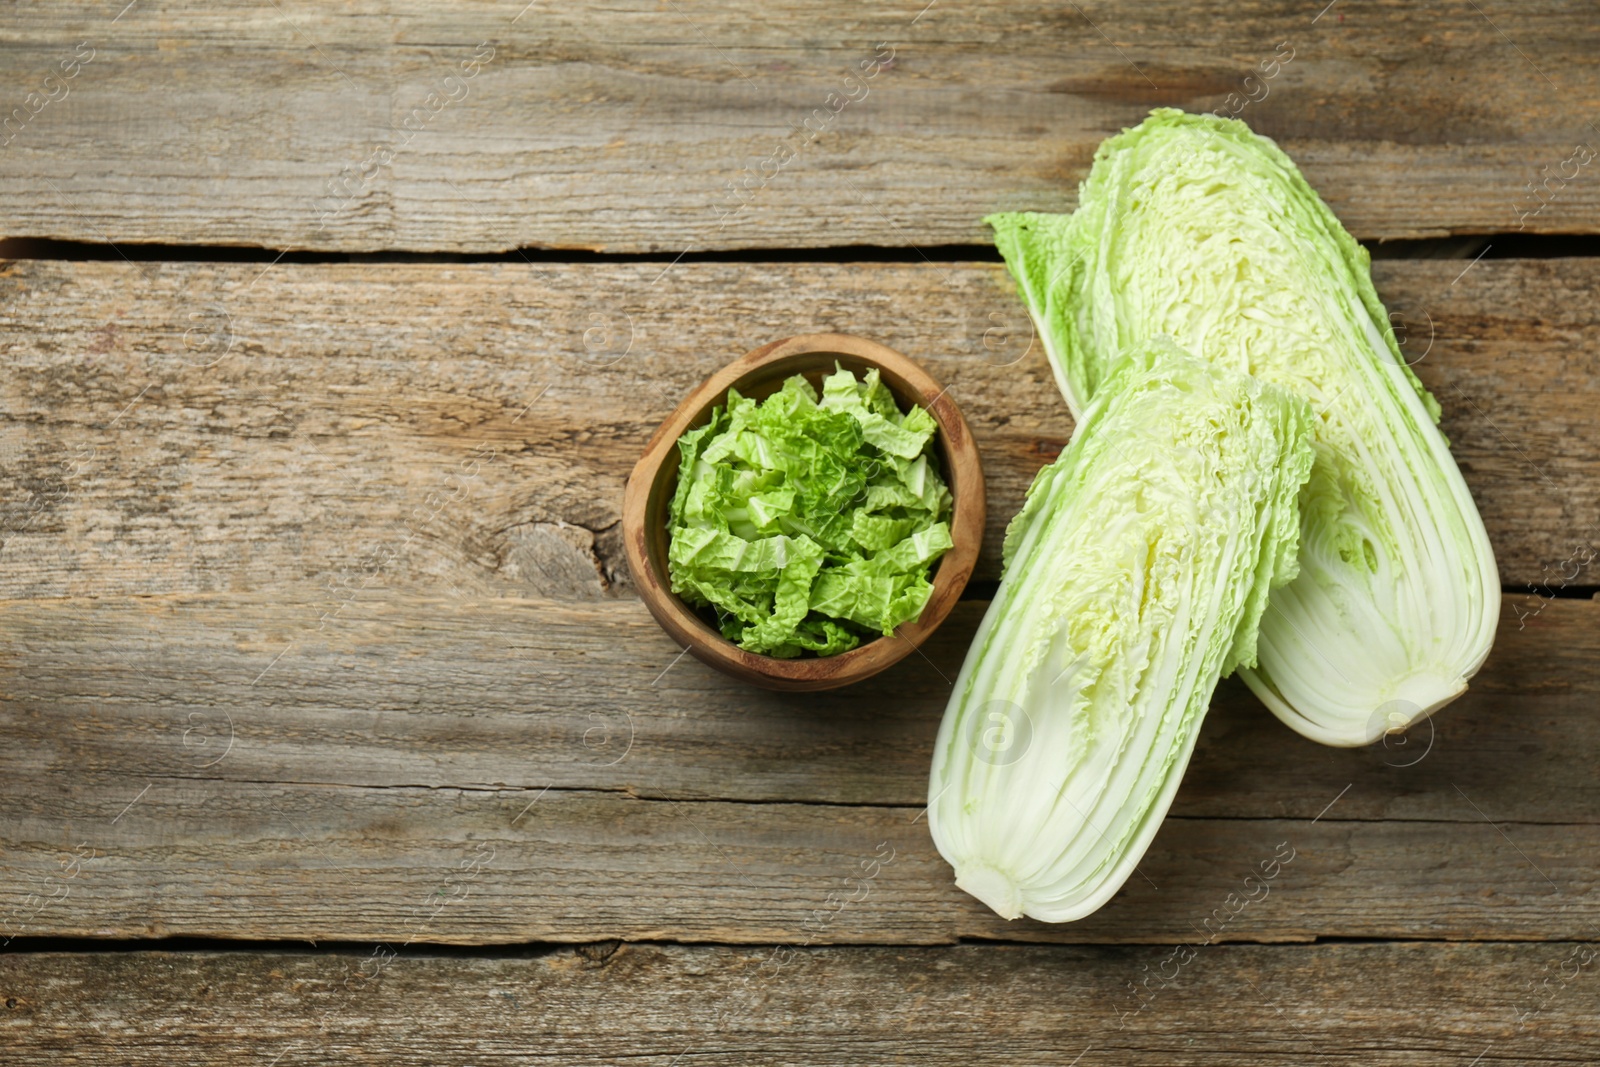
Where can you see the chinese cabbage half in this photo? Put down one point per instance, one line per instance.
(1194, 228)
(1135, 577)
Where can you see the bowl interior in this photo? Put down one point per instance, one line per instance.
(758, 384)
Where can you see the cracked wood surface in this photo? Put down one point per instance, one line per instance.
(490, 126)
(1436, 1004)
(466, 430)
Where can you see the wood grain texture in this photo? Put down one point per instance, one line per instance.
(339, 543)
(187, 857)
(1386, 1005)
(624, 128)
(466, 430)
(401, 691)
(237, 772)
(314, 622)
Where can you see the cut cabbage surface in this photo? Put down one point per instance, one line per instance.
(1193, 228)
(1135, 577)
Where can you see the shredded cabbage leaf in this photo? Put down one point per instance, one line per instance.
(1192, 227)
(1135, 577)
(808, 522)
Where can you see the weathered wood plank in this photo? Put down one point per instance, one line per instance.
(1391, 1004)
(467, 429)
(524, 694)
(135, 856)
(491, 126)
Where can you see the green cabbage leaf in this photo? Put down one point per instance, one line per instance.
(807, 522)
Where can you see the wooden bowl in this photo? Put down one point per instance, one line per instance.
(759, 374)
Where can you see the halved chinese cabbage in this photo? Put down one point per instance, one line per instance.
(1135, 577)
(1194, 228)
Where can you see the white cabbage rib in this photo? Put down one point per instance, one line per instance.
(1193, 228)
(1135, 578)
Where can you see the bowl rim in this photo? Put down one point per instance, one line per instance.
(644, 499)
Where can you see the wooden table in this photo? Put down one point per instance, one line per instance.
(332, 728)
